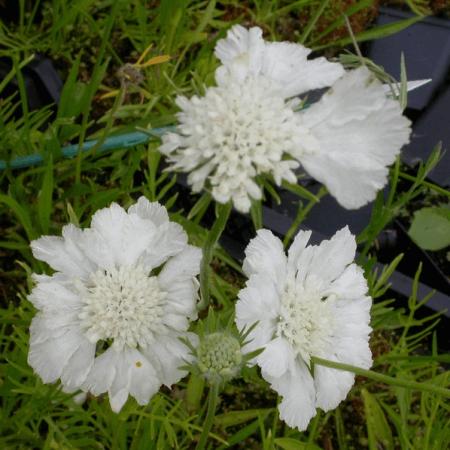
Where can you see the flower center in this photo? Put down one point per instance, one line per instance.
(305, 321)
(124, 305)
(233, 134)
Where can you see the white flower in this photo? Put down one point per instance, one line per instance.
(107, 322)
(311, 303)
(249, 124)
(358, 131)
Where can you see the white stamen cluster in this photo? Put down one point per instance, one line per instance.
(231, 135)
(305, 320)
(124, 305)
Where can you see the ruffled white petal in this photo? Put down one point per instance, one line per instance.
(359, 133)
(117, 238)
(120, 386)
(265, 255)
(52, 294)
(102, 374)
(351, 284)
(241, 52)
(276, 358)
(78, 366)
(49, 357)
(258, 302)
(296, 387)
(286, 63)
(168, 354)
(183, 266)
(297, 249)
(123, 373)
(332, 256)
(52, 325)
(168, 240)
(144, 381)
(332, 386)
(152, 211)
(63, 253)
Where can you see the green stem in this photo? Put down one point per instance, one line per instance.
(382, 378)
(213, 397)
(208, 249)
(301, 215)
(427, 184)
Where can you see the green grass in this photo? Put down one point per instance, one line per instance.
(90, 40)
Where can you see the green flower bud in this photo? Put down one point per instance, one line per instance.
(219, 357)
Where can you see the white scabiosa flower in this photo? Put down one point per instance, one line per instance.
(123, 293)
(249, 124)
(311, 303)
(246, 126)
(358, 131)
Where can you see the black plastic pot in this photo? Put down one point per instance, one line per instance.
(42, 82)
(432, 127)
(426, 47)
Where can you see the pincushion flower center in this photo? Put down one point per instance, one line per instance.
(305, 321)
(124, 305)
(248, 125)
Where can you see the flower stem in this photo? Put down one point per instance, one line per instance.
(301, 215)
(213, 397)
(223, 212)
(383, 378)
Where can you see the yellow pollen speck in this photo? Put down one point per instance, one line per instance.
(138, 364)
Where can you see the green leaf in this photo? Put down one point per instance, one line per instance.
(233, 418)
(376, 32)
(430, 228)
(293, 444)
(380, 435)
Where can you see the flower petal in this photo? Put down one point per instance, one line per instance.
(264, 255)
(52, 294)
(120, 386)
(152, 211)
(276, 358)
(169, 239)
(168, 354)
(287, 64)
(258, 302)
(78, 366)
(332, 386)
(297, 389)
(144, 381)
(241, 52)
(297, 248)
(331, 257)
(63, 253)
(183, 266)
(102, 374)
(49, 357)
(117, 238)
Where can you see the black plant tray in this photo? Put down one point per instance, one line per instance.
(42, 82)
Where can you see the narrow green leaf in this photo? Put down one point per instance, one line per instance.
(380, 435)
(294, 444)
(233, 418)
